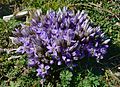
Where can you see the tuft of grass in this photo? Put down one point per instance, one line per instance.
(6, 29)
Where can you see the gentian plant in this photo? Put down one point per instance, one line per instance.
(59, 38)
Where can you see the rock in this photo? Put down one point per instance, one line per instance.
(21, 14)
(7, 18)
(118, 24)
(17, 15)
(117, 73)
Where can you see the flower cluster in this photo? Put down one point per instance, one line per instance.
(59, 38)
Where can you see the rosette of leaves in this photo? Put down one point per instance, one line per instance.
(59, 38)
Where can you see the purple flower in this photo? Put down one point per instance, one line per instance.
(31, 62)
(42, 70)
(59, 38)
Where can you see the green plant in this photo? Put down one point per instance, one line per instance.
(104, 12)
(65, 77)
(6, 29)
(88, 80)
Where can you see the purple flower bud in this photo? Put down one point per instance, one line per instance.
(47, 67)
(59, 63)
(68, 60)
(51, 61)
(106, 41)
(75, 58)
(64, 58)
